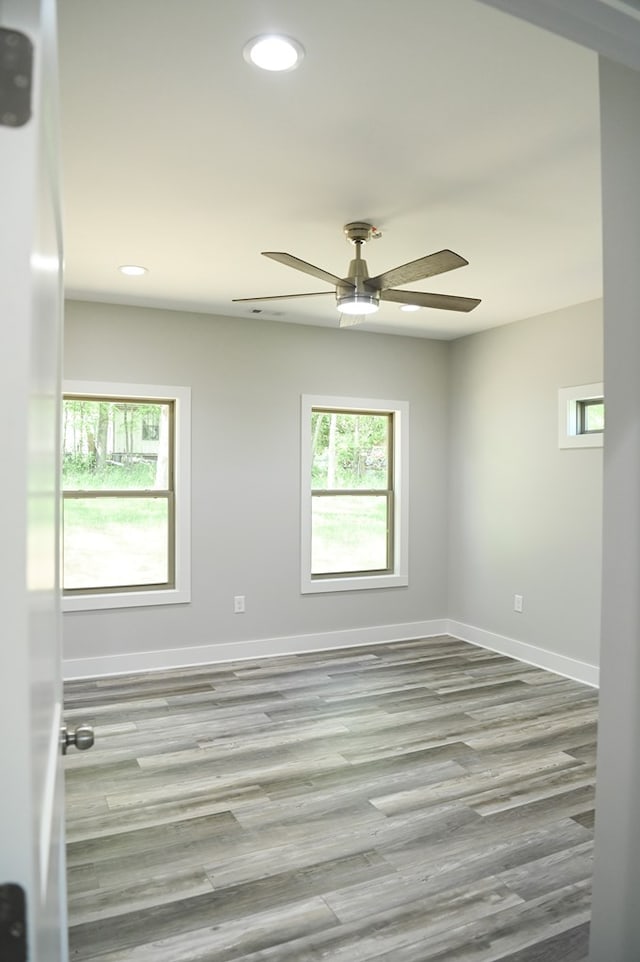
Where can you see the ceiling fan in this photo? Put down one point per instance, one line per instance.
(357, 294)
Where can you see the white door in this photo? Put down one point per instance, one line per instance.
(31, 814)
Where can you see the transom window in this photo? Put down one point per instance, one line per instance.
(354, 502)
(581, 415)
(590, 416)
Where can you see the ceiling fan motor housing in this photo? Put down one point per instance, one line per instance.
(353, 295)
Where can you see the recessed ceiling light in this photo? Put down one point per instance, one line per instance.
(132, 270)
(410, 307)
(274, 52)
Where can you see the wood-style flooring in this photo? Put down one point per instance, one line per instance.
(414, 802)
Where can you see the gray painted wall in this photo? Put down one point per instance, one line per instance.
(246, 378)
(496, 508)
(525, 516)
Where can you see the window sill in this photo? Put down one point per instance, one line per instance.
(125, 599)
(363, 582)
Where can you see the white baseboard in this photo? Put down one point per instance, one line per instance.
(532, 655)
(260, 648)
(140, 661)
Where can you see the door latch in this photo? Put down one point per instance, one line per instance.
(82, 738)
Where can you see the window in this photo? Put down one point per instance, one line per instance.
(125, 461)
(354, 493)
(590, 416)
(581, 416)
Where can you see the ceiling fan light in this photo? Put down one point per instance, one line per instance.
(273, 52)
(358, 304)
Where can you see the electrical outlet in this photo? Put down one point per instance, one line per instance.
(238, 604)
(517, 602)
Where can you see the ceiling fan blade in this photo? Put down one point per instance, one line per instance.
(350, 320)
(280, 297)
(442, 302)
(299, 265)
(417, 270)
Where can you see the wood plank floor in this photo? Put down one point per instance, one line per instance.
(415, 802)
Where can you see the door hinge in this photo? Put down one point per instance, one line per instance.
(13, 923)
(16, 77)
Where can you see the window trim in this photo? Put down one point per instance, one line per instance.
(569, 399)
(180, 593)
(399, 575)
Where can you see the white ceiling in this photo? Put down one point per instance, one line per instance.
(445, 123)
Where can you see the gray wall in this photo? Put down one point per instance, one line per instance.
(496, 507)
(246, 378)
(525, 516)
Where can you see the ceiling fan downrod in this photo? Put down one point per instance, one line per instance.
(354, 297)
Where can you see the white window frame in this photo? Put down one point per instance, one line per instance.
(181, 593)
(569, 398)
(399, 577)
